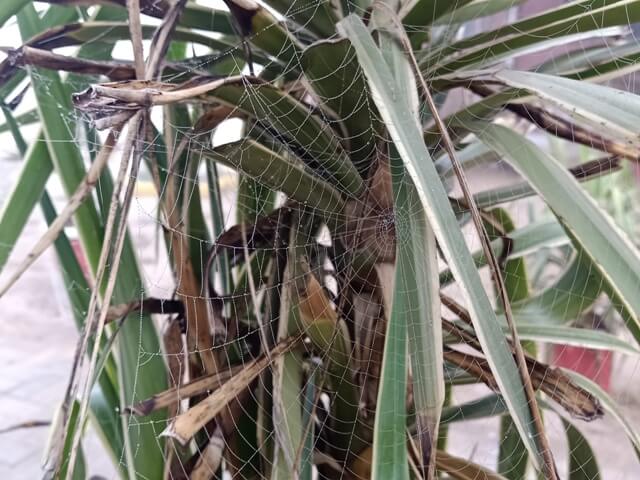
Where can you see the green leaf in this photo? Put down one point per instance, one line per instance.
(615, 111)
(107, 32)
(416, 307)
(609, 405)
(473, 155)
(290, 122)
(483, 109)
(512, 456)
(287, 413)
(407, 137)
(108, 423)
(9, 8)
(426, 12)
(142, 372)
(576, 63)
(195, 16)
(605, 71)
(58, 128)
(319, 18)
(416, 300)
(287, 369)
(524, 241)
(571, 293)
(582, 462)
(487, 406)
(514, 271)
(549, 44)
(255, 199)
(264, 30)
(389, 437)
(37, 168)
(516, 191)
(202, 17)
(279, 173)
(27, 118)
(104, 401)
(308, 421)
(79, 470)
(576, 17)
(582, 459)
(178, 121)
(272, 36)
(581, 337)
(476, 9)
(609, 248)
(422, 14)
(335, 75)
(27, 191)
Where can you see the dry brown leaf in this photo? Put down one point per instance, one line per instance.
(188, 390)
(575, 400)
(360, 467)
(188, 288)
(210, 458)
(174, 349)
(183, 427)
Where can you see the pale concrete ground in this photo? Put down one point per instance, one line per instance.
(37, 343)
(38, 337)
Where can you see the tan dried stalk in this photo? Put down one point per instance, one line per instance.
(549, 468)
(185, 426)
(179, 392)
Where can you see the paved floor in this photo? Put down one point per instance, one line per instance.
(37, 341)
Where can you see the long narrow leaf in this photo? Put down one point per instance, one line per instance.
(408, 139)
(476, 9)
(512, 456)
(27, 190)
(138, 376)
(611, 251)
(319, 18)
(37, 167)
(608, 108)
(279, 173)
(284, 118)
(609, 405)
(582, 337)
(390, 451)
(9, 8)
(582, 460)
(416, 297)
(577, 17)
(107, 420)
(575, 289)
(523, 241)
(334, 73)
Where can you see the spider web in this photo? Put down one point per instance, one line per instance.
(246, 309)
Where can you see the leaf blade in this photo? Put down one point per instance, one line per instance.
(409, 142)
(607, 108)
(611, 251)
